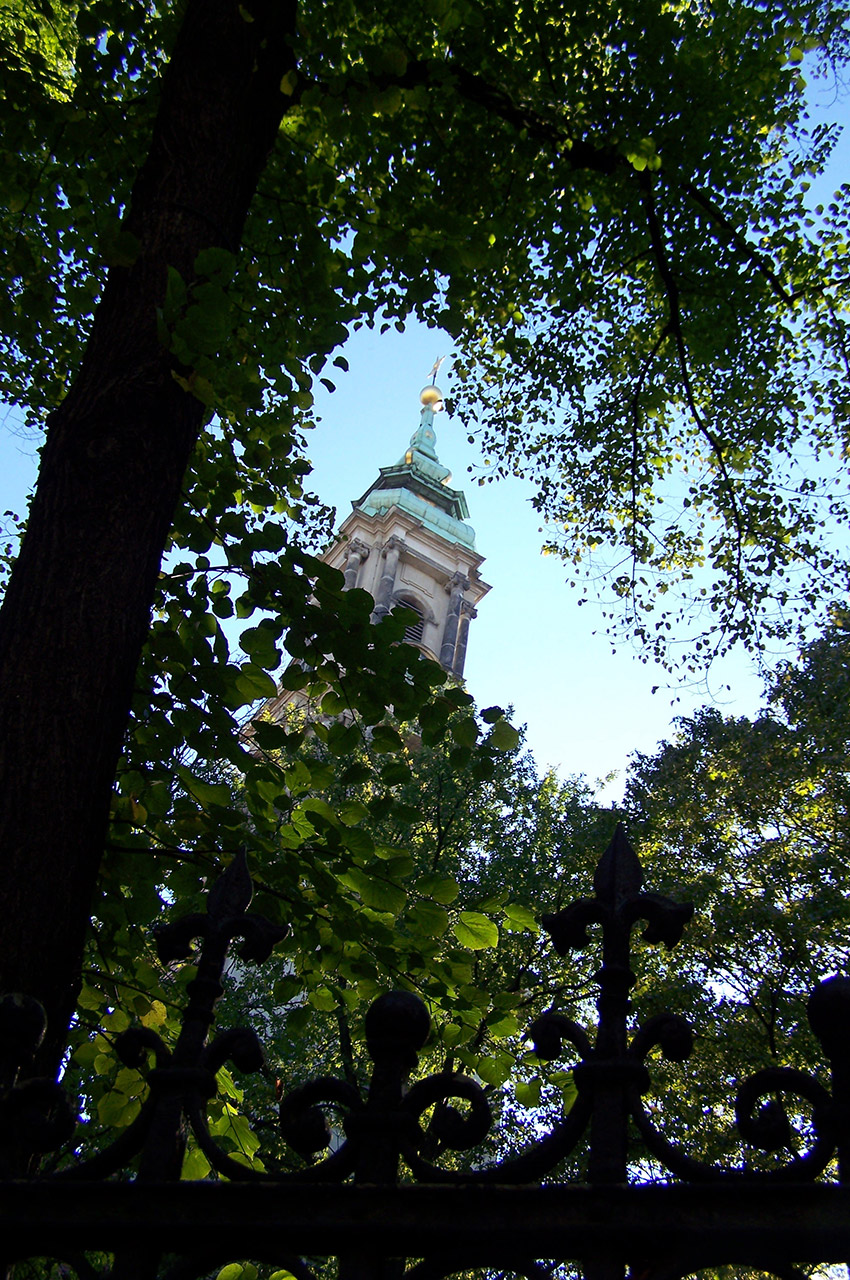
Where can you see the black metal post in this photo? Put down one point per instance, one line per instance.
(615, 882)
(397, 1026)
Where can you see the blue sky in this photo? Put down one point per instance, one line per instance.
(531, 646)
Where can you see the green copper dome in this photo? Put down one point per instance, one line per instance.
(419, 483)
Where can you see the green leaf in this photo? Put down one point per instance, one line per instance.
(428, 918)
(503, 1026)
(395, 772)
(494, 901)
(317, 806)
(343, 738)
(475, 931)
(227, 1085)
(238, 1271)
(465, 731)
(195, 1167)
(295, 677)
(352, 812)
(156, 1016)
(385, 738)
(258, 643)
(205, 792)
(528, 1092)
(503, 736)
(286, 988)
(117, 1110)
(518, 917)
(116, 1021)
(381, 895)
(441, 888)
(357, 841)
(216, 263)
(398, 865)
(567, 1086)
(253, 683)
(494, 1071)
(322, 998)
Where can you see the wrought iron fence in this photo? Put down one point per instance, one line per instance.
(375, 1199)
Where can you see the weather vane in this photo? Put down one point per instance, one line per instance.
(436, 370)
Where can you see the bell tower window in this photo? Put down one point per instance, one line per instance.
(413, 633)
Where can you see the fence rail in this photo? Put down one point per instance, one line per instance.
(375, 1201)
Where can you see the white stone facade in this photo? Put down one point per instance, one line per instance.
(400, 561)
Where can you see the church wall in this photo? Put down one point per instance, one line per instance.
(396, 554)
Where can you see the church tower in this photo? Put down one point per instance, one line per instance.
(407, 542)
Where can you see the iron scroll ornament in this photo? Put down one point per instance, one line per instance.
(385, 1130)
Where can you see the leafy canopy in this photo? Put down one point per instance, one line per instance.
(606, 208)
(406, 857)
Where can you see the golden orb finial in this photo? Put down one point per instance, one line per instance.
(431, 396)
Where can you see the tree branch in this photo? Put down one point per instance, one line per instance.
(734, 236)
(674, 327)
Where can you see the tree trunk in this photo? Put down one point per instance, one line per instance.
(77, 609)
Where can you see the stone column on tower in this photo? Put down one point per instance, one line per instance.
(468, 612)
(386, 586)
(357, 553)
(456, 586)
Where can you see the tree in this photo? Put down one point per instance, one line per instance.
(751, 815)
(418, 855)
(680, 424)
(118, 444)
(195, 240)
(423, 855)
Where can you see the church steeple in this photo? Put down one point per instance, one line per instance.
(419, 483)
(407, 542)
(422, 451)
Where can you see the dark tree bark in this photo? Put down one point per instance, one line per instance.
(77, 609)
